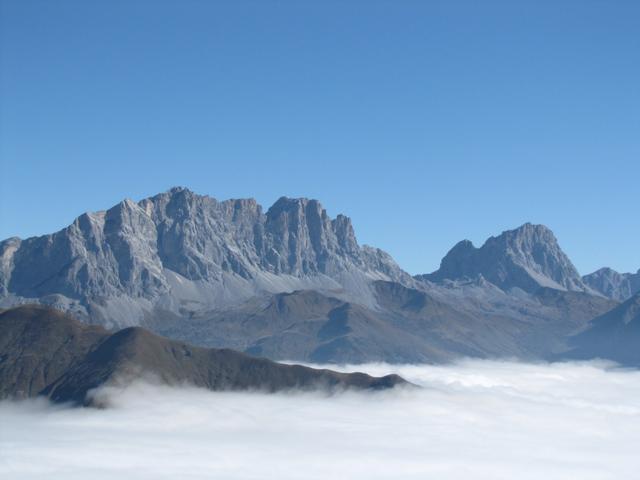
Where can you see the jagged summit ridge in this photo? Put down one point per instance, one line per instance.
(528, 257)
(188, 251)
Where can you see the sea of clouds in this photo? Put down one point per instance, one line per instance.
(472, 420)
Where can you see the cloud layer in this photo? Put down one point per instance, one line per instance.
(473, 420)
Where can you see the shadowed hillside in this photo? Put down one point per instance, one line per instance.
(46, 352)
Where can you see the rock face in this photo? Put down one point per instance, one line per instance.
(185, 252)
(46, 352)
(611, 284)
(614, 335)
(527, 258)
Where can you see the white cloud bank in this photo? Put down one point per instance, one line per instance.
(473, 420)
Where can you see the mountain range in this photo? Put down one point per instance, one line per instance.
(292, 283)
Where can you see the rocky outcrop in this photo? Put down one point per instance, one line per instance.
(526, 258)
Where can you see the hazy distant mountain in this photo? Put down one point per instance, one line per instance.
(46, 352)
(407, 325)
(619, 286)
(309, 326)
(614, 335)
(527, 258)
(294, 284)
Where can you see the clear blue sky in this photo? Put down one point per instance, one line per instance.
(425, 121)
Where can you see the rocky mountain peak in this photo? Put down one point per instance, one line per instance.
(612, 284)
(457, 258)
(178, 189)
(306, 239)
(524, 239)
(527, 257)
(294, 206)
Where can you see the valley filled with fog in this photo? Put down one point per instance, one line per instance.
(474, 419)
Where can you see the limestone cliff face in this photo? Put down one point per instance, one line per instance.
(100, 254)
(190, 251)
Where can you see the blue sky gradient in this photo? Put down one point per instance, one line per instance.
(425, 121)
